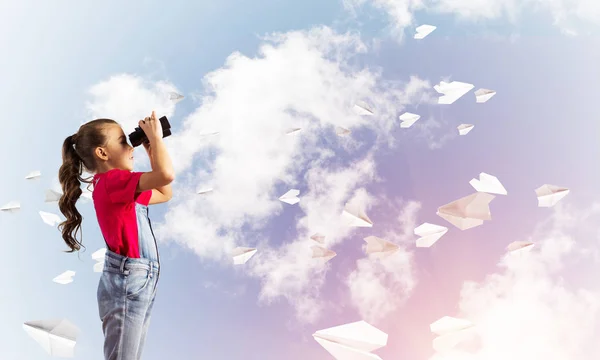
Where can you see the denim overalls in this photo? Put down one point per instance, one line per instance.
(126, 294)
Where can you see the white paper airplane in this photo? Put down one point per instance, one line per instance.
(33, 175)
(65, 278)
(483, 95)
(318, 237)
(452, 91)
(379, 248)
(50, 218)
(550, 195)
(467, 212)
(362, 108)
(323, 253)
(52, 196)
(242, 254)
(354, 215)
(488, 184)
(451, 331)
(408, 119)
(204, 190)
(340, 131)
(86, 194)
(175, 96)
(423, 31)
(292, 130)
(99, 256)
(57, 337)
(519, 247)
(464, 129)
(12, 206)
(290, 197)
(353, 341)
(429, 234)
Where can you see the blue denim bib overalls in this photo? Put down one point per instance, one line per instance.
(126, 293)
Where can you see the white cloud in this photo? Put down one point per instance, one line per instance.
(568, 15)
(300, 79)
(539, 307)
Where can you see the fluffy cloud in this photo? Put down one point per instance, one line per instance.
(543, 305)
(300, 79)
(568, 15)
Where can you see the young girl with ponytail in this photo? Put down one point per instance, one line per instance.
(127, 286)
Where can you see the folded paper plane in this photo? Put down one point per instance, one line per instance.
(292, 130)
(99, 256)
(464, 129)
(489, 184)
(451, 331)
(429, 234)
(242, 254)
(12, 206)
(483, 95)
(57, 336)
(520, 247)
(550, 195)
(379, 248)
(290, 197)
(354, 215)
(65, 278)
(50, 218)
(452, 91)
(175, 96)
(52, 196)
(33, 175)
(322, 253)
(340, 131)
(423, 31)
(362, 108)
(353, 341)
(467, 212)
(318, 237)
(408, 119)
(204, 190)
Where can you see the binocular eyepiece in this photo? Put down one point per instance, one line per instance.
(137, 137)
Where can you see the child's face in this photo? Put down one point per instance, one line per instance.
(120, 153)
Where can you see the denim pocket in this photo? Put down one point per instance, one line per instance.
(136, 281)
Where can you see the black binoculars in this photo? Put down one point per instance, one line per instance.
(137, 137)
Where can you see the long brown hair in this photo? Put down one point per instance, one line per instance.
(78, 155)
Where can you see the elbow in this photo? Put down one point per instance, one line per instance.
(169, 177)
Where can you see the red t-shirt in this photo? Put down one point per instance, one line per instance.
(114, 200)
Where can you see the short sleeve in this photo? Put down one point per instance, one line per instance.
(121, 185)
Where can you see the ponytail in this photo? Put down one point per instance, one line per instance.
(69, 176)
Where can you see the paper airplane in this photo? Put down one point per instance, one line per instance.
(379, 248)
(175, 96)
(57, 337)
(99, 256)
(292, 130)
(353, 341)
(429, 234)
(50, 218)
(354, 215)
(33, 174)
(408, 119)
(290, 197)
(318, 237)
(463, 129)
(452, 91)
(65, 278)
(242, 254)
(467, 212)
(205, 190)
(489, 184)
(86, 194)
(362, 108)
(451, 331)
(483, 95)
(321, 252)
(52, 195)
(519, 247)
(423, 31)
(340, 131)
(12, 206)
(550, 195)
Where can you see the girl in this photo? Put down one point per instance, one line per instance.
(121, 197)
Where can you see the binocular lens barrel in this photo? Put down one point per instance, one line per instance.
(137, 137)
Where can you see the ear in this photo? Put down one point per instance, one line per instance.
(101, 153)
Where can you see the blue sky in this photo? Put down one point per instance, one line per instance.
(538, 129)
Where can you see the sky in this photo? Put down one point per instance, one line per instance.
(253, 70)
